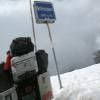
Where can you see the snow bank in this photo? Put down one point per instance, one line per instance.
(82, 84)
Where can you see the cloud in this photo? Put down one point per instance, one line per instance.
(77, 29)
(75, 32)
(11, 7)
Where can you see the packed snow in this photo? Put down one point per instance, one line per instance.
(82, 84)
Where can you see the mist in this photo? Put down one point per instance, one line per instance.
(75, 33)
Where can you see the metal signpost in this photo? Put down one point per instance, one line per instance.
(44, 13)
(33, 29)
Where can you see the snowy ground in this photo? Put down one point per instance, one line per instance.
(82, 84)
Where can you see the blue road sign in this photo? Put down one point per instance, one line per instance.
(44, 12)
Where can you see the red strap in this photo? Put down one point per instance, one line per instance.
(7, 65)
(47, 96)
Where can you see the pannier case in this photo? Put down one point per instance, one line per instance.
(23, 64)
(9, 94)
(45, 86)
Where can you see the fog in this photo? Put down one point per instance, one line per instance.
(75, 33)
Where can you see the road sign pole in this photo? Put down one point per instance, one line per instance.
(54, 55)
(44, 13)
(33, 28)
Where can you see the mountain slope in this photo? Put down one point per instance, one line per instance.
(82, 84)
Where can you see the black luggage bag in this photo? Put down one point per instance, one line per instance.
(6, 80)
(21, 46)
(42, 61)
